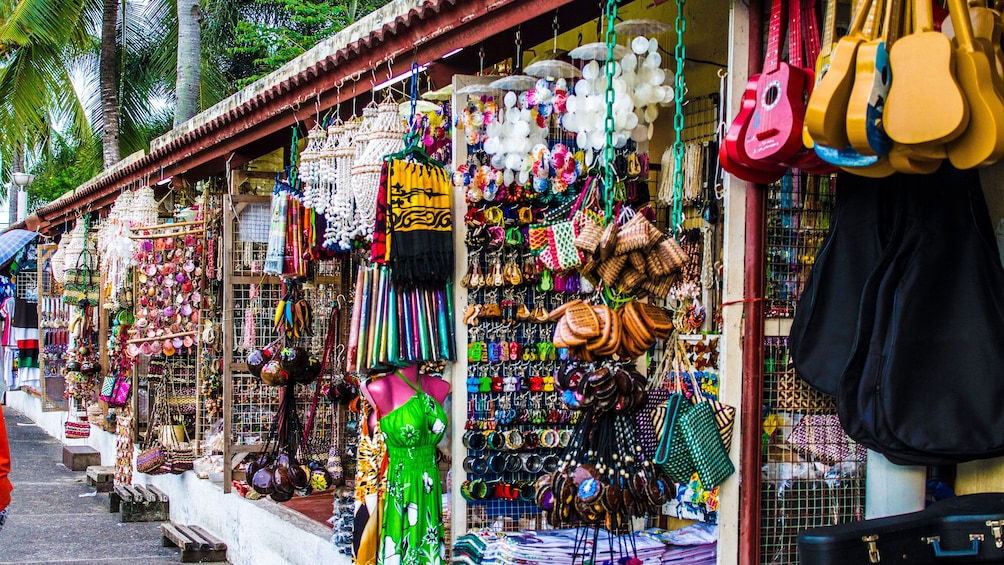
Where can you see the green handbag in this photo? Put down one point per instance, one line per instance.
(691, 443)
(703, 442)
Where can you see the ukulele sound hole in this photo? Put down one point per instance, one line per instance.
(771, 95)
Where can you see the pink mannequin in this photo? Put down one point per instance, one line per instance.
(390, 391)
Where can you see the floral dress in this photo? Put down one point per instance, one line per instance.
(413, 512)
(370, 485)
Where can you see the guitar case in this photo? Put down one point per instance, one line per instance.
(925, 378)
(963, 529)
(824, 329)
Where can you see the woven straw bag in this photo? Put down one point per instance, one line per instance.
(795, 395)
(633, 235)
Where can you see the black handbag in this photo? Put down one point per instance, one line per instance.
(963, 529)
(926, 373)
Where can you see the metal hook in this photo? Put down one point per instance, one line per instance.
(390, 68)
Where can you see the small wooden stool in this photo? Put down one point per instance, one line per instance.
(101, 478)
(195, 544)
(140, 504)
(80, 457)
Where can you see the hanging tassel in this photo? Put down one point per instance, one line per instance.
(250, 329)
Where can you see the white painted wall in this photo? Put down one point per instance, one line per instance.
(256, 532)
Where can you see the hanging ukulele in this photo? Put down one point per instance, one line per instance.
(822, 57)
(732, 151)
(987, 25)
(925, 103)
(806, 159)
(872, 79)
(982, 142)
(845, 156)
(826, 112)
(774, 134)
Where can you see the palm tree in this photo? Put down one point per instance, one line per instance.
(39, 40)
(189, 61)
(109, 80)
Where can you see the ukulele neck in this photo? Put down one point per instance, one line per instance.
(795, 33)
(771, 62)
(829, 26)
(810, 30)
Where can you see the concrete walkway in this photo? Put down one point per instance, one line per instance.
(49, 522)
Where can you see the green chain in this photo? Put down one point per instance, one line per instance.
(294, 157)
(680, 89)
(608, 124)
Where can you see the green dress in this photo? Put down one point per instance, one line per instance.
(413, 510)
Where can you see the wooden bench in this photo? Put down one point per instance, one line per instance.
(80, 457)
(101, 478)
(195, 544)
(139, 504)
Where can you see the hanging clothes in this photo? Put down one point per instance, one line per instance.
(26, 333)
(371, 485)
(413, 514)
(419, 222)
(8, 345)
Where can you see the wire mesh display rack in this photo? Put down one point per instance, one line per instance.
(249, 301)
(799, 211)
(813, 474)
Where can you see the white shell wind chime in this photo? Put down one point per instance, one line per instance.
(341, 220)
(115, 246)
(309, 169)
(385, 135)
(640, 86)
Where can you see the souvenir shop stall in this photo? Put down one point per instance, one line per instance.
(549, 299)
(459, 307)
(869, 194)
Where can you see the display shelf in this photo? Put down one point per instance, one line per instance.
(799, 211)
(53, 337)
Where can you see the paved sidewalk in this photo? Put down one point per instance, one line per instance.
(50, 522)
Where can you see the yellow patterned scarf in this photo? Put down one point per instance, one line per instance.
(419, 222)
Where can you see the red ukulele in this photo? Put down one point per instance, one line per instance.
(803, 23)
(732, 151)
(774, 134)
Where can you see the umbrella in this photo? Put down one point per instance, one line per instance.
(13, 241)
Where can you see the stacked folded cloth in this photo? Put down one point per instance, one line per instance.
(693, 545)
(471, 548)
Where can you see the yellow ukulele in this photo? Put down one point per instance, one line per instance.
(986, 25)
(872, 79)
(922, 159)
(827, 108)
(982, 142)
(823, 60)
(925, 102)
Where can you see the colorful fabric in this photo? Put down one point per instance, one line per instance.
(413, 514)
(7, 308)
(421, 226)
(371, 483)
(3, 518)
(378, 251)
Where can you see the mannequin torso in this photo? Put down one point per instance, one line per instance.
(391, 391)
